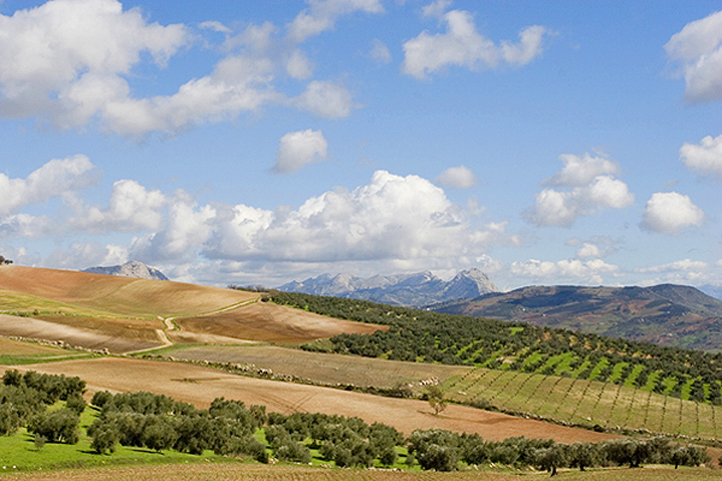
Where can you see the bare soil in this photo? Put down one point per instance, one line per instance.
(264, 321)
(118, 342)
(200, 386)
(321, 367)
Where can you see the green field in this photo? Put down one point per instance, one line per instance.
(588, 403)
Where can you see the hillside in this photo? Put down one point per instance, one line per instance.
(667, 315)
(122, 314)
(419, 289)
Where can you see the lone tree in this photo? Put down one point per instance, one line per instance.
(5, 261)
(436, 398)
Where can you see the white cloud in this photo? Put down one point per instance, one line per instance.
(237, 84)
(56, 178)
(592, 271)
(82, 255)
(591, 188)
(326, 99)
(393, 217)
(65, 60)
(588, 250)
(215, 26)
(580, 171)
(705, 158)
(698, 48)
(298, 66)
(670, 212)
(685, 271)
(461, 45)
(131, 208)
(436, 9)
(676, 266)
(297, 149)
(459, 177)
(380, 52)
(323, 14)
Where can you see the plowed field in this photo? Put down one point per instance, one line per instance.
(200, 386)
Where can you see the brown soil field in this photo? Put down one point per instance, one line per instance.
(123, 314)
(19, 348)
(200, 386)
(115, 340)
(259, 472)
(264, 321)
(124, 295)
(321, 367)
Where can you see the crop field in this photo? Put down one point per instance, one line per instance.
(319, 367)
(17, 352)
(235, 471)
(199, 386)
(268, 322)
(586, 402)
(125, 315)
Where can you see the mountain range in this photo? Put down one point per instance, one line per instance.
(666, 314)
(419, 289)
(130, 269)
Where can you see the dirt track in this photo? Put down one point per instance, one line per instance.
(200, 386)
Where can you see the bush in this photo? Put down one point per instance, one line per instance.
(101, 398)
(61, 426)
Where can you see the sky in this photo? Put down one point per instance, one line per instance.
(255, 143)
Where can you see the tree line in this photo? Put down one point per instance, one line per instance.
(229, 428)
(427, 336)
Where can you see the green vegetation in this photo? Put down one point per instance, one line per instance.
(433, 337)
(156, 423)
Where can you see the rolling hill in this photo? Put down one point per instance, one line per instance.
(123, 314)
(666, 314)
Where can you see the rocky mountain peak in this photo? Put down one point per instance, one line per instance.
(134, 269)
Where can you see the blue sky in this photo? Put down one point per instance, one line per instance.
(260, 142)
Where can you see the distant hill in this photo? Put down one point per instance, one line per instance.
(668, 315)
(420, 289)
(130, 269)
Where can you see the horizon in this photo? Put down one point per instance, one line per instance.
(257, 143)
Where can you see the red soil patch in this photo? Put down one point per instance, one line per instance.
(200, 386)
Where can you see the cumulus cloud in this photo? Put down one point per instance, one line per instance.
(56, 178)
(237, 84)
(670, 212)
(131, 208)
(321, 15)
(297, 149)
(299, 66)
(392, 217)
(436, 9)
(676, 266)
(380, 52)
(704, 158)
(459, 177)
(68, 63)
(579, 171)
(589, 188)
(326, 99)
(65, 60)
(461, 45)
(592, 271)
(698, 50)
